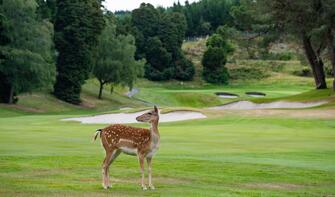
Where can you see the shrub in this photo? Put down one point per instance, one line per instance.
(184, 69)
(154, 74)
(213, 62)
(329, 70)
(304, 72)
(243, 73)
(220, 76)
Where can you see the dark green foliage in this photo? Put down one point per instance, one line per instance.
(46, 9)
(220, 76)
(214, 57)
(145, 21)
(204, 17)
(213, 62)
(159, 61)
(25, 51)
(159, 36)
(184, 69)
(218, 40)
(77, 27)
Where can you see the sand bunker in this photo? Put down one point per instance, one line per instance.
(247, 105)
(256, 94)
(130, 117)
(226, 95)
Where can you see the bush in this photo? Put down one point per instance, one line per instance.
(244, 73)
(155, 75)
(328, 70)
(184, 69)
(285, 56)
(220, 76)
(214, 58)
(304, 72)
(213, 62)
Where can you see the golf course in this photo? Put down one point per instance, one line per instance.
(208, 98)
(269, 152)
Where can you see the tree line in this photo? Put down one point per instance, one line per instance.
(59, 44)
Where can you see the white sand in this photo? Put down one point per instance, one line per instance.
(131, 117)
(255, 95)
(247, 105)
(227, 96)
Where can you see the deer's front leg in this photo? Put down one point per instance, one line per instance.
(151, 186)
(141, 160)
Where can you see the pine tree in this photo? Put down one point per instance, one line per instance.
(78, 24)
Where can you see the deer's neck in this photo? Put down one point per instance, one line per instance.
(154, 131)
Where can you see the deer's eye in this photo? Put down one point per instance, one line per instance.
(150, 113)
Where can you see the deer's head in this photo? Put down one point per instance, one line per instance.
(151, 116)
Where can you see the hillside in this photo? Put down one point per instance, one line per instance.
(278, 83)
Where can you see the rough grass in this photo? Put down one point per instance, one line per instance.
(224, 155)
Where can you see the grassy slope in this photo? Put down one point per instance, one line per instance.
(44, 102)
(235, 155)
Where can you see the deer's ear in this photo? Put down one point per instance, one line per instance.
(156, 109)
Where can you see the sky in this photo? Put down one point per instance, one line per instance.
(114, 5)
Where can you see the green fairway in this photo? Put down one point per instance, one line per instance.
(233, 155)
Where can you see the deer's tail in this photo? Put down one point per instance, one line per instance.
(98, 132)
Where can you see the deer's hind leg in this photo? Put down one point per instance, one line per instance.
(105, 178)
(115, 154)
(110, 157)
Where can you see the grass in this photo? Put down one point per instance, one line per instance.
(192, 95)
(228, 154)
(223, 155)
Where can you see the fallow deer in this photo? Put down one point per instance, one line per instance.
(139, 142)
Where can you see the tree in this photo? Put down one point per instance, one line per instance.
(25, 51)
(159, 61)
(252, 30)
(46, 9)
(300, 18)
(213, 62)
(326, 19)
(159, 35)
(204, 17)
(145, 21)
(78, 24)
(184, 69)
(115, 61)
(214, 57)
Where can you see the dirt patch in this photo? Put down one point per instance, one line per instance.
(276, 186)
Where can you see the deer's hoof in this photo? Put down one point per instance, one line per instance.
(144, 188)
(106, 186)
(152, 187)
